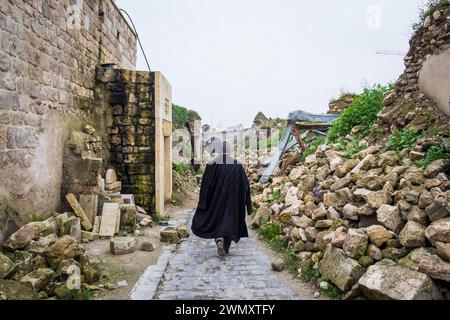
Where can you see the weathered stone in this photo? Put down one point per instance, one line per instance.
(262, 216)
(340, 184)
(22, 237)
(338, 239)
(322, 240)
(378, 235)
(110, 176)
(355, 244)
(110, 219)
(64, 248)
(309, 183)
(73, 226)
(364, 163)
(436, 167)
(439, 209)
(412, 235)
(324, 224)
(293, 210)
(435, 267)
(333, 214)
(123, 245)
(374, 252)
(413, 258)
(417, 215)
(291, 196)
(89, 203)
(128, 217)
(377, 199)
(278, 265)
(439, 231)
(394, 253)
(146, 222)
(311, 233)
(425, 199)
(182, 231)
(85, 222)
(319, 213)
(38, 279)
(7, 267)
(351, 212)
(169, 235)
(443, 250)
(390, 217)
(365, 261)
(386, 280)
(303, 222)
(97, 223)
(297, 173)
(147, 245)
(344, 272)
(87, 236)
(15, 290)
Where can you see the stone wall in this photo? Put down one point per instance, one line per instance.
(137, 114)
(48, 57)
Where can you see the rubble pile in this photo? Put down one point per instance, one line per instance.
(46, 259)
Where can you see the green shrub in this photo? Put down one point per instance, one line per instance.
(313, 148)
(276, 195)
(269, 231)
(433, 154)
(361, 112)
(428, 8)
(182, 115)
(405, 139)
(157, 217)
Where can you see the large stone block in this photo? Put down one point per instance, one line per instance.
(85, 222)
(89, 203)
(342, 270)
(386, 280)
(110, 219)
(439, 231)
(123, 245)
(21, 137)
(7, 267)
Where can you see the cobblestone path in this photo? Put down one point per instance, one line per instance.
(193, 270)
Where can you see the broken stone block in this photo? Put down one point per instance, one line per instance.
(182, 231)
(123, 245)
(15, 290)
(389, 216)
(386, 280)
(7, 267)
(374, 252)
(146, 222)
(355, 244)
(110, 176)
(38, 279)
(169, 235)
(87, 236)
(412, 235)
(436, 167)
(48, 240)
(89, 203)
(435, 267)
(262, 216)
(79, 212)
(64, 248)
(439, 209)
(439, 231)
(72, 228)
(378, 235)
(343, 271)
(128, 218)
(96, 226)
(412, 260)
(110, 219)
(114, 187)
(443, 250)
(147, 245)
(350, 212)
(22, 237)
(376, 199)
(278, 265)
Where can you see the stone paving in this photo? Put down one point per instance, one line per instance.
(194, 271)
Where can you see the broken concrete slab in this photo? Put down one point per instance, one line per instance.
(79, 212)
(123, 245)
(89, 203)
(110, 220)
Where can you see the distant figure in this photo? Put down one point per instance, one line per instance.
(224, 198)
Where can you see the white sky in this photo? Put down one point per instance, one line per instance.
(229, 59)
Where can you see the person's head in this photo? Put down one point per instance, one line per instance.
(219, 147)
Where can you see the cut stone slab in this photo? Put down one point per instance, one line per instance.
(342, 270)
(87, 236)
(89, 203)
(123, 245)
(96, 226)
(79, 212)
(39, 278)
(169, 235)
(7, 267)
(386, 280)
(110, 219)
(110, 176)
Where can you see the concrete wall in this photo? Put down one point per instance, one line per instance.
(49, 51)
(434, 79)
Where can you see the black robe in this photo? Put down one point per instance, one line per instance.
(224, 196)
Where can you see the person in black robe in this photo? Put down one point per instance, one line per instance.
(224, 198)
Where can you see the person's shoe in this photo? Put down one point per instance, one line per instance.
(220, 248)
(226, 245)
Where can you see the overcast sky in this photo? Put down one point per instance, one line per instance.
(229, 59)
